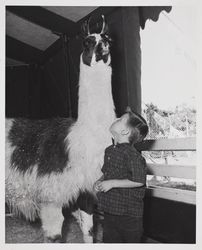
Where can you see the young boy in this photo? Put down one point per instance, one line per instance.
(121, 189)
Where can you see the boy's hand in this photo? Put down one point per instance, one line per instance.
(105, 186)
(96, 186)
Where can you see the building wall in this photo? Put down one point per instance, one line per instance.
(23, 91)
(55, 87)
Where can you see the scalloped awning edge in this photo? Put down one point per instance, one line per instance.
(151, 12)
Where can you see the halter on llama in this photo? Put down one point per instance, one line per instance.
(50, 162)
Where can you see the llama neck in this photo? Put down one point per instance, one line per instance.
(95, 95)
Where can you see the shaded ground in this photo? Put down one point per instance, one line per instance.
(20, 231)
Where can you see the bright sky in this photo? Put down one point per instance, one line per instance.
(168, 58)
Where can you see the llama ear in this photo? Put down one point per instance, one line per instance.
(85, 28)
(105, 28)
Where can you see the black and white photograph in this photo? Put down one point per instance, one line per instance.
(100, 119)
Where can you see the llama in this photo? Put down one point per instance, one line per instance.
(50, 162)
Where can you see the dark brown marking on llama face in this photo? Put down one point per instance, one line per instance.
(103, 48)
(88, 49)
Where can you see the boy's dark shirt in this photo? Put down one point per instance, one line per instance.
(123, 161)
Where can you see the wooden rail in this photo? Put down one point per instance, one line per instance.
(178, 144)
(174, 194)
(179, 171)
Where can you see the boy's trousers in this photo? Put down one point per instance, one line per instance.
(122, 229)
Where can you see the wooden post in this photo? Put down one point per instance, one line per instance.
(126, 58)
(132, 52)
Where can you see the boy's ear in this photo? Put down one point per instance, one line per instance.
(125, 131)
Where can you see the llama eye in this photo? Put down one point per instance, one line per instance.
(90, 41)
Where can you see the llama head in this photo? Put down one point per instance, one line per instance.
(96, 46)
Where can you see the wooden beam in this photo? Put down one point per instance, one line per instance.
(179, 171)
(174, 194)
(46, 19)
(55, 23)
(51, 51)
(176, 144)
(18, 50)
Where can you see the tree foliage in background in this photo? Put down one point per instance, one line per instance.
(161, 122)
(177, 123)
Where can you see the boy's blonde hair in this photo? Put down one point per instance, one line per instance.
(138, 126)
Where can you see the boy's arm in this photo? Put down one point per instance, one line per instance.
(105, 186)
(137, 176)
(125, 183)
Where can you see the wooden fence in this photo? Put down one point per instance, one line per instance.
(179, 171)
